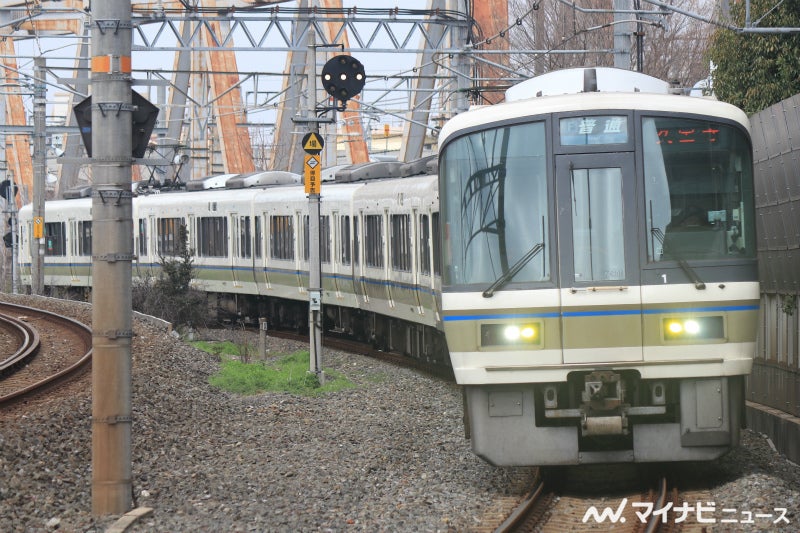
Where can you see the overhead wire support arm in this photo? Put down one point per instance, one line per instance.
(253, 29)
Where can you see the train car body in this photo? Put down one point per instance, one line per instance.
(250, 253)
(588, 255)
(599, 281)
(67, 236)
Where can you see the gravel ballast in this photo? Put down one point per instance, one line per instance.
(388, 455)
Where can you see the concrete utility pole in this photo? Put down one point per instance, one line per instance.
(622, 34)
(112, 254)
(39, 174)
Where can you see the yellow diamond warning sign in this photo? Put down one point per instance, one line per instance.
(312, 174)
(312, 143)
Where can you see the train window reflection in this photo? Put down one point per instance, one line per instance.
(84, 237)
(493, 191)
(281, 237)
(212, 237)
(373, 240)
(598, 250)
(698, 186)
(55, 238)
(324, 239)
(170, 236)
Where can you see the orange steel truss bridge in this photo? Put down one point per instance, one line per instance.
(208, 96)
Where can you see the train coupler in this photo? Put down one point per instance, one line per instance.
(592, 426)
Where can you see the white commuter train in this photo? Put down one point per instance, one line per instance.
(592, 268)
(600, 294)
(378, 251)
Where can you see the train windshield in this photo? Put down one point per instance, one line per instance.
(698, 187)
(494, 199)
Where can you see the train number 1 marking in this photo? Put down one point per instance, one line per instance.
(664, 277)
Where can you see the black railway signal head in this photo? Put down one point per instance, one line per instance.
(343, 78)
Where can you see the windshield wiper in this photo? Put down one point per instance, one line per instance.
(509, 274)
(687, 269)
(691, 274)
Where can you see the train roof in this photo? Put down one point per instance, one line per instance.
(580, 80)
(531, 105)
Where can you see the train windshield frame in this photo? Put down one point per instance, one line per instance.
(698, 190)
(498, 197)
(497, 207)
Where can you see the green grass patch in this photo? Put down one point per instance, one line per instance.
(287, 374)
(218, 348)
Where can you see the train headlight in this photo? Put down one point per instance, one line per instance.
(674, 327)
(511, 334)
(698, 328)
(692, 327)
(528, 332)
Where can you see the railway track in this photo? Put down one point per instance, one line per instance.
(656, 510)
(49, 350)
(17, 339)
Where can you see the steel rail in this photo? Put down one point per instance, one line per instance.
(61, 376)
(28, 339)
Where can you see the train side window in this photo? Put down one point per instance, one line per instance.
(85, 237)
(281, 244)
(169, 236)
(306, 242)
(212, 237)
(356, 242)
(344, 225)
(324, 239)
(424, 245)
(401, 242)
(55, 236)
(373, 240)
(236, 243)
(259, 237)
(245, 240)
(142, 237)
(437, 245)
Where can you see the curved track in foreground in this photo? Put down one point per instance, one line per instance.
(65, 351)
(18, 339)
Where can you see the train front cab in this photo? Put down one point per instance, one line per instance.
(583, 323)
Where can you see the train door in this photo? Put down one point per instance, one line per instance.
(601, 317)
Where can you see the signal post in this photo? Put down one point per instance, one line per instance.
(342, 77)
(312, 176)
